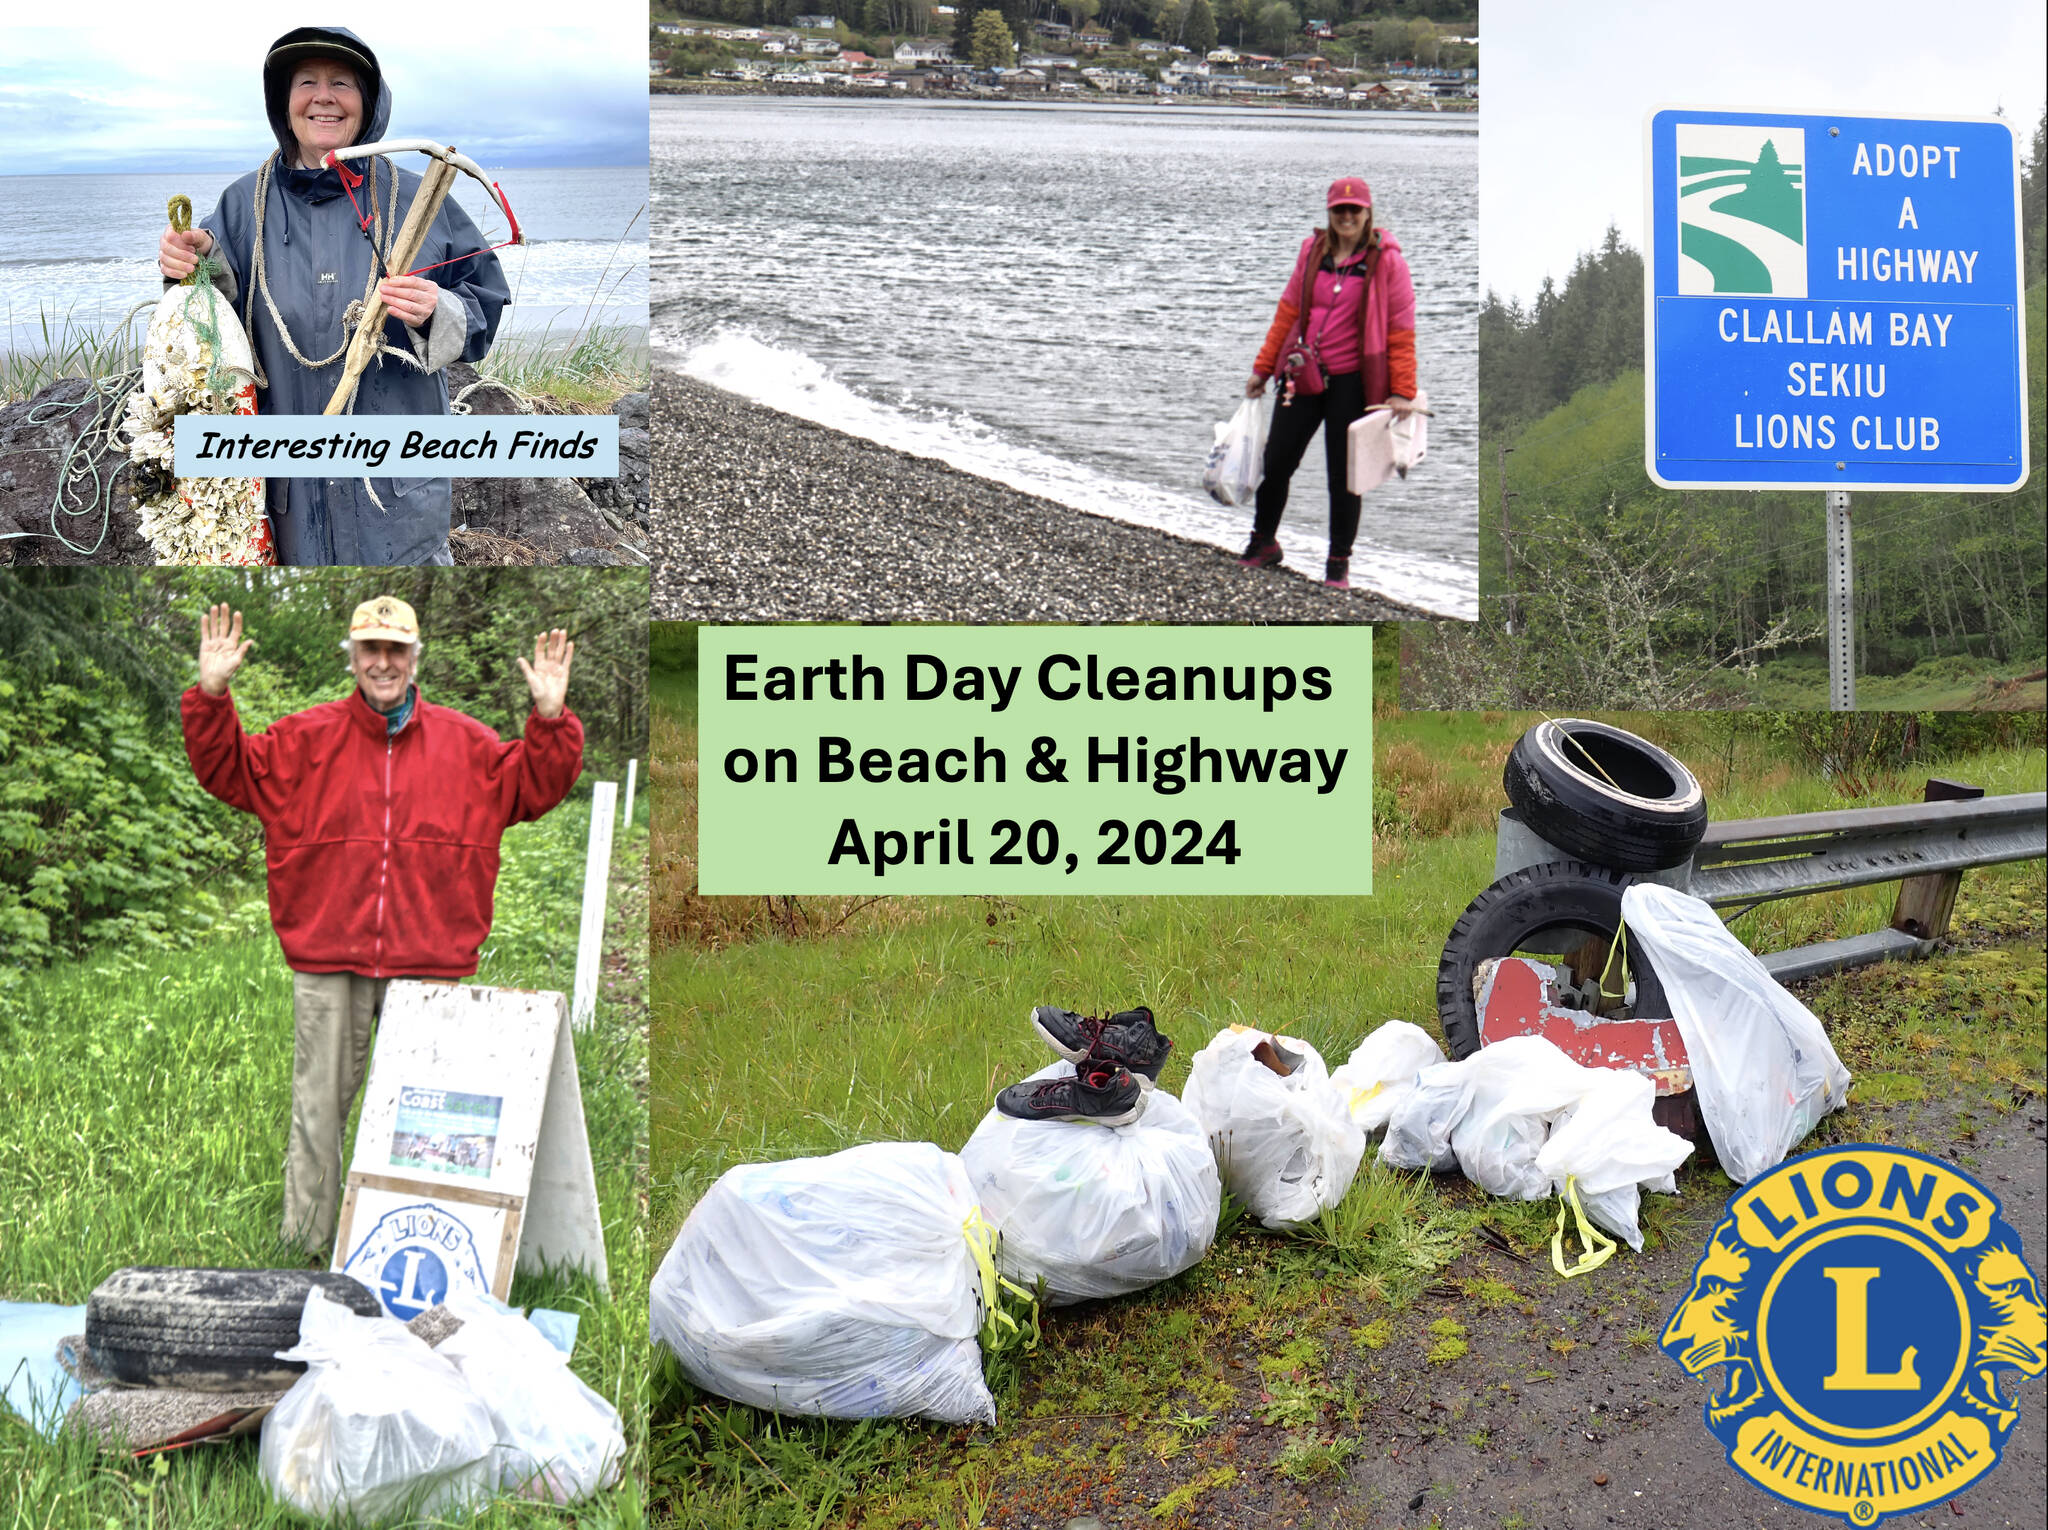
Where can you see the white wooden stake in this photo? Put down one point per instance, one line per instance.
(632, 775)
(596, 873)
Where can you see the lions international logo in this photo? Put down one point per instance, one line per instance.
(1741, 209)
(413, 1255)
(1862, 1302)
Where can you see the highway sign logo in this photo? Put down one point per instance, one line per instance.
(1833, 302)
(1862, 1302)
(1741, 210)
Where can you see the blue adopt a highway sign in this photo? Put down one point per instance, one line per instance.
(1833, 302)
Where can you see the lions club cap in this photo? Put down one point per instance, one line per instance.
(384, 619)
(1350, 192)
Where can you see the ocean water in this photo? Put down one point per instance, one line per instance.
(82, 248)
(1064, 298)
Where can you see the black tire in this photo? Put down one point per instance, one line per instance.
(1649, 817)
(1544, 910)
(207, 1330)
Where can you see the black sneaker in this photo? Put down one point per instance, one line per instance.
(1099, 1092)
(1129, 1039)
(1260, 552)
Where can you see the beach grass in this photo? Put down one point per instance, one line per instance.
(143, 1113)
(772, 1040)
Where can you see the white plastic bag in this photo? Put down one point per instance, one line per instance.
(1761, 1062)
(380, 1425)
(1096, 1210)
(841, 1286)
(1379, 445)
(557, 1440)
(1287, 1146)
(1237, 462)
(1613, 1147)
(1419, 1126)
(1382, 1068)
(1520, 1086)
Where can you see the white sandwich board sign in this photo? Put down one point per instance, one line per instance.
(1833, 302)
(471, 1156)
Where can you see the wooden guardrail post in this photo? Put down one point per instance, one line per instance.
(1925, 904)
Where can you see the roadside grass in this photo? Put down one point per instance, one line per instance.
(142, 1121)
(903, 1020)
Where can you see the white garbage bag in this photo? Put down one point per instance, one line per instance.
(1382, 1068)
(841, 1286)
(1286, 1145)
(380, 1426)
(1520, 1086)
(1420, 1125)
(1613, 1147)
(1237, 462)
(557, 1440)
(1096, 1210)
(1380, 444)
(1761, 1062)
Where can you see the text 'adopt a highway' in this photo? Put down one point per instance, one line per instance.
(1834, 302)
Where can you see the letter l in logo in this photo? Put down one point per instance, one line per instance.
(1852, 1371)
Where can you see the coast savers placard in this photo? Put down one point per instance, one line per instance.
(1035, 760)
(1833, 302)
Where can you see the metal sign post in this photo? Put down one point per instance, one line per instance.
(1834, 303)
(1841, 606)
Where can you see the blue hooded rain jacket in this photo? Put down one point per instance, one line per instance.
(316, 262)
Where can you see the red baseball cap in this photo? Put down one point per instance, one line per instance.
(1349, 192)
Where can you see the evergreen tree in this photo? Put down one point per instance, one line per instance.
(1201, 28)
(992, 46)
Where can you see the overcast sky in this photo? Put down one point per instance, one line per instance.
(1564, 90)
(180, 87)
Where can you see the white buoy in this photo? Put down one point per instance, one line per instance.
(596, 875)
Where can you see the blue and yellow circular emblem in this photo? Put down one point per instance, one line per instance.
(1862, 1301)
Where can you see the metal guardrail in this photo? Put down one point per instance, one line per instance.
(1925, 847)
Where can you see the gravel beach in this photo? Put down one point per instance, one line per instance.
(761, 516)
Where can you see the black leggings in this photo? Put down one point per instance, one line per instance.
(1341, 401)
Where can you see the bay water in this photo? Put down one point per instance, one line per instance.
(80, 250)
(1065, 298)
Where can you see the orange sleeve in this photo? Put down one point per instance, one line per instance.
(1283, 326)
(1401, 362)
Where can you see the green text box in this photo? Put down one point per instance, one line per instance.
(1293, 705)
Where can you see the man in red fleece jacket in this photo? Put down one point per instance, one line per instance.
(381, 819)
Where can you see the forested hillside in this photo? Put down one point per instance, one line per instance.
(1603, 589)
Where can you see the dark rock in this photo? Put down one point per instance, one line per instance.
(37, 437)
(628, 493)
(551, 515)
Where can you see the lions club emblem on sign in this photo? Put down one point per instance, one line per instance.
(1862, 1302)
(413, 1255)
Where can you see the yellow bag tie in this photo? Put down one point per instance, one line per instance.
(1360, 1096)
(1599, 1247)
(981, 1243)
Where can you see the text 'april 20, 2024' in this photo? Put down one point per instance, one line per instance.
(1023, 760)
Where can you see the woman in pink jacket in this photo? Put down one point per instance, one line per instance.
(1347, 321)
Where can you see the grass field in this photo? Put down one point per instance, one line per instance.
(790, 1027)
(143, 1110)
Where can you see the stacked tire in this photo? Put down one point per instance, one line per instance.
(1619, 806)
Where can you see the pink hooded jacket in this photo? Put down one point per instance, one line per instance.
(1381, 346)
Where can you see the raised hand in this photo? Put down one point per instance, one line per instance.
(548, 675)
(222, 648)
